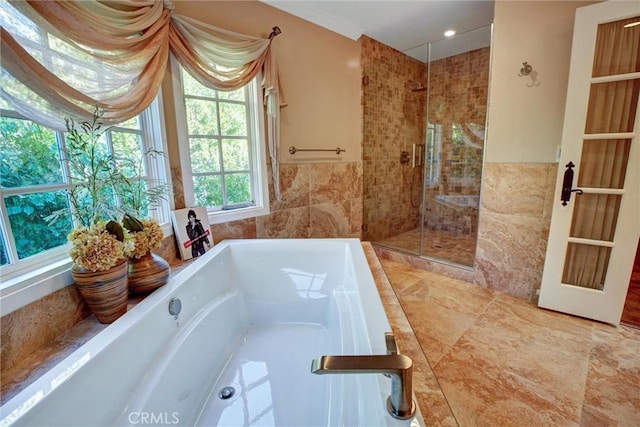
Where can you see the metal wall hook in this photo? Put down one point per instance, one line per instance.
(525, 70)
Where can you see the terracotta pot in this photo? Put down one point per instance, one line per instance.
(105, 292)
(147, 273)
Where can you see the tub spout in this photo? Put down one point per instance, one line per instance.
(399, 404)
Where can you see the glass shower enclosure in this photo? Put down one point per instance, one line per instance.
(423, 164)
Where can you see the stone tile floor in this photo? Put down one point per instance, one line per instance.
(459, 249)
(502, 361)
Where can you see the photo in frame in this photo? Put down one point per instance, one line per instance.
(192, 230)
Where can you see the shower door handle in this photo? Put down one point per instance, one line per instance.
(567, 185)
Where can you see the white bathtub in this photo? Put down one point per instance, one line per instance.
(254, 315)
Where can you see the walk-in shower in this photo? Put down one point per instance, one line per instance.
(424, 138)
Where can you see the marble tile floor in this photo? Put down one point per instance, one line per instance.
(501, 361)
(438, 244)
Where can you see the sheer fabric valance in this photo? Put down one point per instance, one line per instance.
(62, 59)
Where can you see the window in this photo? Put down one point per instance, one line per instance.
(221, 148)
(34, 179)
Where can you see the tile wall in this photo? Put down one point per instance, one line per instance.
(393, 120)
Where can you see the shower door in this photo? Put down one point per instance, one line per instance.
(596, 225)
(458, 83)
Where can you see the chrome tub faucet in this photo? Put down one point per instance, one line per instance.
(399, 367)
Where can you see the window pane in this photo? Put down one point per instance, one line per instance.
(28, 154)
(79, 158)
(235, 154)
(208, 190)
(201, 117)
(132, 123)
(204, 155)
(31, 231)
(126, 148)
(134, 198)
(193, 87)
(236, 95)
(238, 187)
(4, 256)
(233, 119)
(103, 205)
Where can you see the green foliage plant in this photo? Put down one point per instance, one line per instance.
(98, 242)
(92, 171)
(137, 198)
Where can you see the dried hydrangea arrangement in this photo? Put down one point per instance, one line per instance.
(100, 246)
(147, 234)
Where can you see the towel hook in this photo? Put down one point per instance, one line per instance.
(525, 70)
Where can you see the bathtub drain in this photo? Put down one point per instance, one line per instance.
(226, 392)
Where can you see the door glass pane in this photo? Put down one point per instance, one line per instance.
(603, 163)
(595, 216)
(612, 107)
(586, 265)
(617, 48)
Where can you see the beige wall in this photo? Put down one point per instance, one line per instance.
(525, 118)
(320, 74)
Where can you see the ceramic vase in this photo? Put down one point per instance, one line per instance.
(105, 292)
(147, 273)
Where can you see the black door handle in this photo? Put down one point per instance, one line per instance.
(567, 184)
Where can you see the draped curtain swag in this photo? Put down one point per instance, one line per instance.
(113, 55)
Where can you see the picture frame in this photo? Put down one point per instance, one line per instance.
(192, 230)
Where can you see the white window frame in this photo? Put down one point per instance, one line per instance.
(37, 276)
(256, 136)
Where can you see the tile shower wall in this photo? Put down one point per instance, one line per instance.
(393, 120)
(458, 95)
